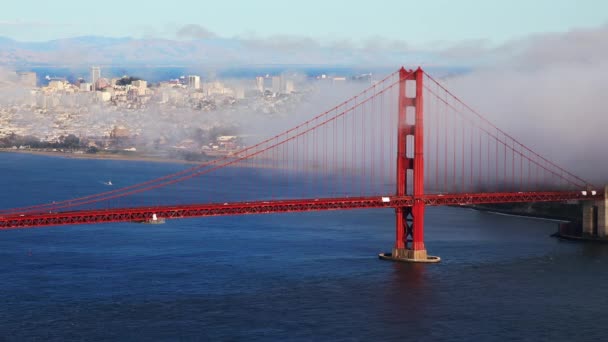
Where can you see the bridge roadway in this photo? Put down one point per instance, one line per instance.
(144, 214)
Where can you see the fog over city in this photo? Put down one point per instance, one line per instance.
(545, 89)
(183, 114)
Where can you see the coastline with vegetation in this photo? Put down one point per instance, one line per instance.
(114, 155)
(118, 148)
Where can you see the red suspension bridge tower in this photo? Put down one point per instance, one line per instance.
(409, 221)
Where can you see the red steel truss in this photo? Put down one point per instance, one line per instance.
(143, 214)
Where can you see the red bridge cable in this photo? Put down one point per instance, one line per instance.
(249, 156)
(507, 135)
(73, 202)
(504, 143)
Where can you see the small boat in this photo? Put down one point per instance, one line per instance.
(108, 183)
(154, 220)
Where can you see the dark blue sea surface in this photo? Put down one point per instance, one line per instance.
(307, 276)
(159, 73)
(156, 74)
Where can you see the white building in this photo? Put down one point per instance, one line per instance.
(141, 87)
(289, 87)
(86, 87)
(259, 82)
(217, 88)
(277, 84)
(140, 84)
(226, 138)
(95, 75)
(103, 96)
(239, 93)
(338, 80)
(57, 84)
(194, 82)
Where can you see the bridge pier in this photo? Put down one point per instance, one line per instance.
(409, 222)
(589, 222)
(602, 215)
(595, 217)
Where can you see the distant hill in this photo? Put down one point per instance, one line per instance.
(87, 50)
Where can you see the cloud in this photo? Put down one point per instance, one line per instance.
(541, 50)
(548, 90)
(574, 48)
(194, 31)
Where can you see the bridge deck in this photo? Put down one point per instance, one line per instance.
(139, 214)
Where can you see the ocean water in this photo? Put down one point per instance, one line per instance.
(156, 74)
(300, 277)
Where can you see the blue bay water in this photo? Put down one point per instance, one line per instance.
(306, 276)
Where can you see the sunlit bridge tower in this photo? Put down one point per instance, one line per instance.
(409, 221)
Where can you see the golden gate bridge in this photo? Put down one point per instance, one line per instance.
(405, 142)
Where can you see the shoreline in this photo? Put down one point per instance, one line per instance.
(103, 156)
(520, 214)
(582, 238)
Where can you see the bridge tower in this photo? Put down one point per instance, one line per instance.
(409, 221)
(602, 214)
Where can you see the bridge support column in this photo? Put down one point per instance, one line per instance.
(418, 250)
(409, 222)
(602, 215)
(589, 227)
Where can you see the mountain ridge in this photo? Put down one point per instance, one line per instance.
(87, 50)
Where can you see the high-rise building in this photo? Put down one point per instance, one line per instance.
(27, 79)
(277, 84)
(194, 82)
(259, 82)
(239, 93)
(95, 76)
(85, 86)
(140, 86)
(289, 87)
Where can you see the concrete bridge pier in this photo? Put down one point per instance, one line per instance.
(602, 215)
(595, 217)
(589, 222)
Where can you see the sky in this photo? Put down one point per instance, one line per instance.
(417, 22)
